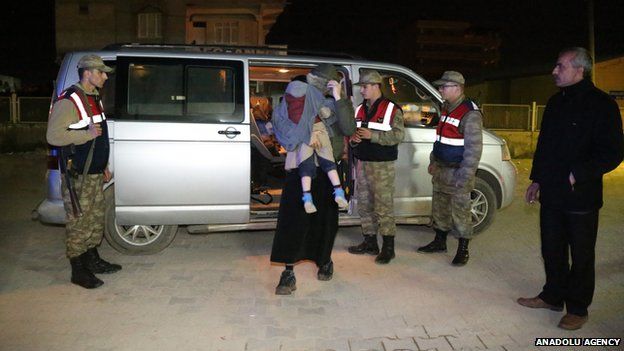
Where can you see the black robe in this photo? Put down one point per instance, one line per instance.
(301, 236)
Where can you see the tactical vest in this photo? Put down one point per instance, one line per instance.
(90, 110)
(449, 144)
(379, 117)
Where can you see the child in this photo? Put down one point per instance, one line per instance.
(300, 126)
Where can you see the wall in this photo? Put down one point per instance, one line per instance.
(539, 88)
(22, 137)
(610, 77)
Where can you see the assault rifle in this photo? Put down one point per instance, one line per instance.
(65, 165)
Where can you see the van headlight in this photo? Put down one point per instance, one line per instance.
(506, 155)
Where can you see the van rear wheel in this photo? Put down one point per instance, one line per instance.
(135, 239)
(482, 205)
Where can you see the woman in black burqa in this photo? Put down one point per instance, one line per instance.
(299, 235)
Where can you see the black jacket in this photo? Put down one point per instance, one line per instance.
(581, 133)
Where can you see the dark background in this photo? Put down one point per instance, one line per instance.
(532, 32)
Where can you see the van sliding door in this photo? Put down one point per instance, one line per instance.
(181, 141)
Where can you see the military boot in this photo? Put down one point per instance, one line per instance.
(95, 264)
(461, 258)
(81, 275)
(437, 245)
(387, 250)
(368, 246)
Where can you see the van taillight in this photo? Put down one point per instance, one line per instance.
(53, 159)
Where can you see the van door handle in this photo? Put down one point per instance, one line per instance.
(229, 132)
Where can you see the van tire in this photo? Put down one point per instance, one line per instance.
(483, 205)
(118, 236)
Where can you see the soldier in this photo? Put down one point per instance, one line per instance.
(375, 145)
(453, 165)
(77, 118)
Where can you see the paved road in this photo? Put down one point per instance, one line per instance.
(216, 292)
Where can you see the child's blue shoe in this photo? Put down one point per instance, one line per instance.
(308, 205)
(339, 197)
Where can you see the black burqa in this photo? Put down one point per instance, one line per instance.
(302, 236)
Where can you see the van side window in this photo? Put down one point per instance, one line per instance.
(419, 108)
(155, 90)
(210, 90)
(175, 90)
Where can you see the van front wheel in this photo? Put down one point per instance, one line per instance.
(135, 239)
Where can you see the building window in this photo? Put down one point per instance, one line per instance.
(226, 33)
(149, 25)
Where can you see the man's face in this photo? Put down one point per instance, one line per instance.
(370, 91)
(564, 73)
(96, 77)
(450, 91)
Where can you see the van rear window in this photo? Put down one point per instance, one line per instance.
(183, 91)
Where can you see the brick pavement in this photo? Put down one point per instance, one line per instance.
(215, 292)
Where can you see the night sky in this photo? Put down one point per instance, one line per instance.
(532, 32)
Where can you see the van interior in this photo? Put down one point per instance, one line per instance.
(267, 86)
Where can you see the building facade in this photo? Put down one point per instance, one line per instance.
(94, 24)
(432, 47)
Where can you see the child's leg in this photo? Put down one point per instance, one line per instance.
(306, 184)
(306, 169)
(339, 195)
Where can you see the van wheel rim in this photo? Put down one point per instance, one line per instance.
(139, 235)
(478, 207)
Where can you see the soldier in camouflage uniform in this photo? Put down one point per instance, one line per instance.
(78, 118)
(453, 165)
(375, 145)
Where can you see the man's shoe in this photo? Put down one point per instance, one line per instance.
(572, 321)
(326, 271)
(92, 261)
(462, 256)
(437, 245)
(537, 302)
(387, 250)
(287, 283)
(368, 246)
(81, 276)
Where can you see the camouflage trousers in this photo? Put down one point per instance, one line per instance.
(452, 211)
(85, 232)
(375, 197)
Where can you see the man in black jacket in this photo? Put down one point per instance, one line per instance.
(580, 140)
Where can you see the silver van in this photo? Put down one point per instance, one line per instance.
(191, 144)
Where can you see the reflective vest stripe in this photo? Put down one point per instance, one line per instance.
(450, 141)
(81, 108)
(388, 113)
(357, 110)
(451, 120)
(85, 120)
(385, 126)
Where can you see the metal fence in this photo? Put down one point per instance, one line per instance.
(5, 109)
(33, 109)
(503, 116)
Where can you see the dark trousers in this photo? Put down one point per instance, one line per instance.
(566, 234)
